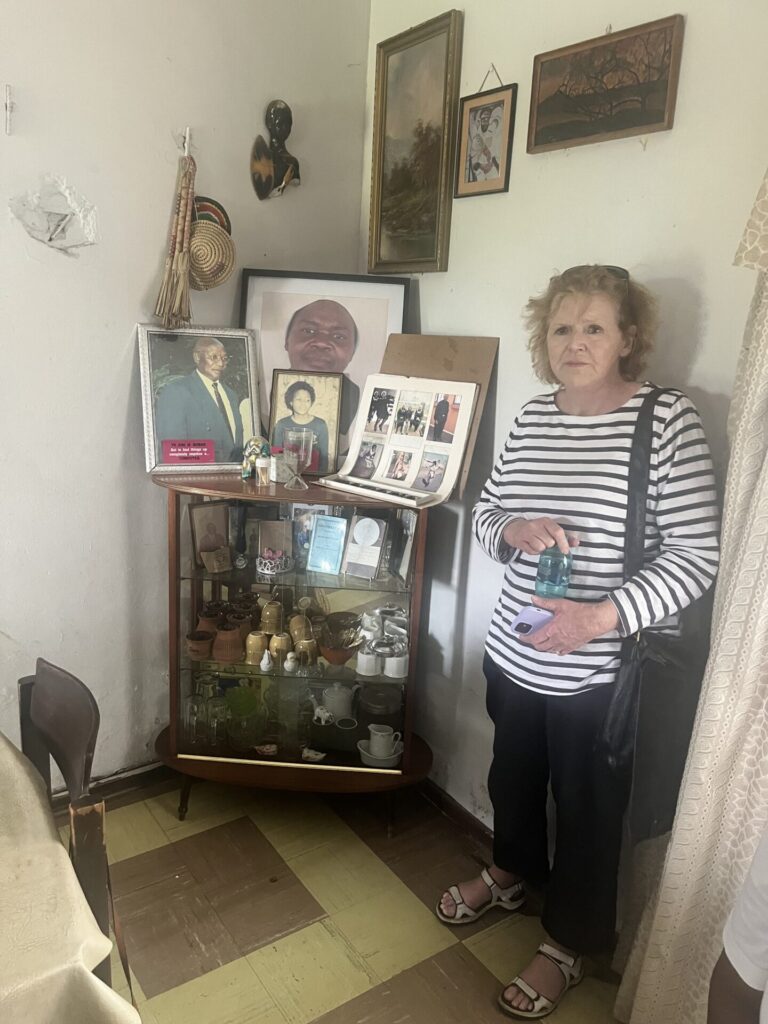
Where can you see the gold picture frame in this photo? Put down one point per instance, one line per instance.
(414, 147)
(610, 87)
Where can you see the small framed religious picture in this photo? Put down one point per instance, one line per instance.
(307, 402)
(486, 127)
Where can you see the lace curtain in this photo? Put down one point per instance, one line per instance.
(723, 807)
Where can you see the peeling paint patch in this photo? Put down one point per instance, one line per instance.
(57, 216)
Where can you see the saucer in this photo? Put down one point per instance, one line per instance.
(364, 747)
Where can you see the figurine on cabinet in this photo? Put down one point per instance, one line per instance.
(272, 166)
(322, 715)
(256, 460)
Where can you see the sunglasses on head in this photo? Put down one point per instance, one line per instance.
(619, 272)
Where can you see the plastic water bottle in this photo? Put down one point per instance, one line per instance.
(554, 573)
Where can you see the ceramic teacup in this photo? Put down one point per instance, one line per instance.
(382, 741)
(368, 662)
(396, 666)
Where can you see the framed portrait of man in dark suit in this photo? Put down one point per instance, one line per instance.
(200, 397)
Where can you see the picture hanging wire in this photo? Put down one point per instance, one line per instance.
(492, 68)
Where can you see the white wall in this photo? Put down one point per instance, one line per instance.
(99, 90)
(670, 207)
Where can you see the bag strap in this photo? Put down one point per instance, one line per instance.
(637, 491)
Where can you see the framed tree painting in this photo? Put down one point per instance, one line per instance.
(414, 146)
(610, 87)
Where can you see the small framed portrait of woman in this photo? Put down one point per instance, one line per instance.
(307, 401)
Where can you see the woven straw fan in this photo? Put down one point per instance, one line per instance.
(172, 305)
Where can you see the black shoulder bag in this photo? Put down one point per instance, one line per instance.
(648, 724)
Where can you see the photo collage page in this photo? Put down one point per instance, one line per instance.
(407, 438)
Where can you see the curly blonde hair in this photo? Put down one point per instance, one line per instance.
(636, 308)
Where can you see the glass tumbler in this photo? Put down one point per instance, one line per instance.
(297, 452)
(217, 713)
(193, 719)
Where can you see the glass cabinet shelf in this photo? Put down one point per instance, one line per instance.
(326, 674)
(243, 579)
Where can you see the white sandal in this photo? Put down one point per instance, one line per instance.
(511, 898)
(572, 970)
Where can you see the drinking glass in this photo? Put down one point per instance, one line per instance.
(297, 453)
(217, 714)
(193, 719)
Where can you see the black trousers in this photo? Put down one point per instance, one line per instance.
(541, 740)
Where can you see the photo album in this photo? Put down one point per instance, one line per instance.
(408, 440)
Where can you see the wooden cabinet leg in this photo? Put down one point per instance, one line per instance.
(89, 859)
(390, 796)
(186, 789)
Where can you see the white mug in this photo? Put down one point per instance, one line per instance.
(382, 741)
(396, 666)
(369, 663)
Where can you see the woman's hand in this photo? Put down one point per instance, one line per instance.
(534, 535)
(575, 624)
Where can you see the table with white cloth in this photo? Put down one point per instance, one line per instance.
(49, 939)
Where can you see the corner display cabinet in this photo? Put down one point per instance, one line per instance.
(297, 724)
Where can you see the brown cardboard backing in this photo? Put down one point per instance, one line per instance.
(446, 357)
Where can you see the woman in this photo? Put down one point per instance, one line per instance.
(564, 468)
(300, 397)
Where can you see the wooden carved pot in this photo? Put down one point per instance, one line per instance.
(228, 645)
(199, 644)
(243, 622)
(208, 624)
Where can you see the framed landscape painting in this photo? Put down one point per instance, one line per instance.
(414, 146)
(610, 87)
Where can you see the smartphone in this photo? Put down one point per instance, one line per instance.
(530, 620)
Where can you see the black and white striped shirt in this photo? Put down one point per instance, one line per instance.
(574, 469)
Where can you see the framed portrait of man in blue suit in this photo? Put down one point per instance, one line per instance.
(200, 397)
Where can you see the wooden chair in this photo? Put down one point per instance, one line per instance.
(60, 720)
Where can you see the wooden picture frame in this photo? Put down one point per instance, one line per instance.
(486, 130)
(322, 392)
(611, 87)
(184, 429)
(414, 146)
(209, 526)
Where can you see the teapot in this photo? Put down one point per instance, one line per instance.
(338, 699)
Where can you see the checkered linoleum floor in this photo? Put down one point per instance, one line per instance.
(282, 908)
